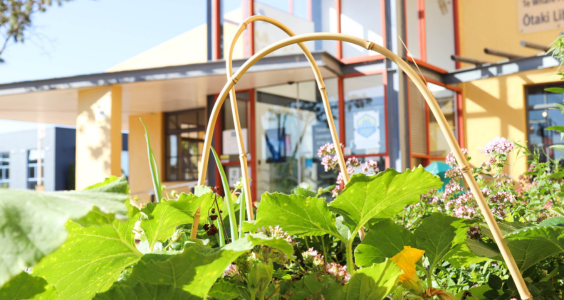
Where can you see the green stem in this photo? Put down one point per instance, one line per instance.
(429, 278)
(350, 260)
(324, 251)
(227, 198)
(242, 206)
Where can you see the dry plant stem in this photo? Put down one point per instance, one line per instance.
(508, 258)
(242, 152)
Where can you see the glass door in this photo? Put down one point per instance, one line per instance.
(291, 125)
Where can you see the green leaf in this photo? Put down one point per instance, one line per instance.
(384, 240)
(373, 283)
(529, 245)
(33, 224)
(437, 235)
(165, 216)
(555, 90)
(196, 269)
(296, 215)
(310, 287)
(153, 166)
(228, 200)
(382, 195)
(557, 128)
(224, 290)
(145, 291)
(554, 221)
(461, 256)
(90, 260)
(558, 147)
(23, 286)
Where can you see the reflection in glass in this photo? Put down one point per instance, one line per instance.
(291, 126)
(438, 145)
(363, 23)
(365, 115)
(543, 113)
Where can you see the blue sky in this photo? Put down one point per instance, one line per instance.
(87, 36)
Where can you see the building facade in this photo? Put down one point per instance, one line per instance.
(19, 159)
(379, 113)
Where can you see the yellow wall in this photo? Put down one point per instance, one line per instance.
(496, 107)
(494, 24)
(139, 170)
(98, 144)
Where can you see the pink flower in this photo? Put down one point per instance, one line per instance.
(371, 166)
(548, 205)
(353, 161)
(338, 271)
(451, 160)
(231, 270)
(499, 145)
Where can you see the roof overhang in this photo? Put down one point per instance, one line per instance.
(507, 67)
(152, 90)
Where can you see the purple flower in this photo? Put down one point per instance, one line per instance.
(499, 145)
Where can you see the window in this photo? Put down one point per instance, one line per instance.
(32, 168)
(427, 141)
(301, 16)
(365, 115)
(184, 144)
(430, 31)
(291, 126)
(540, 115)
(362, 23)
(4, 170)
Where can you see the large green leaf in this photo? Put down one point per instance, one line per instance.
(438, 235)
(373, 283)
(145, 291)
(528, 245)
(23, 286)
(296, 214)
(224, 290)
(384, 240)
(33, 224)
(165, 216)
(382, 195)
(90, 260)
(196, 269)
(310, 287)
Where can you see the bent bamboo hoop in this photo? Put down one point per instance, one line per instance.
(433, 105)
(232, 94)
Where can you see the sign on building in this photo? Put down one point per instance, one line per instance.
(540, 15)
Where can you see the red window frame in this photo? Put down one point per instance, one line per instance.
(459, 121)
(252, 146)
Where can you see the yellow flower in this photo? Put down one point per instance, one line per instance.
(406, 260)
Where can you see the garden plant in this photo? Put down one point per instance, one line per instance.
(386, 234)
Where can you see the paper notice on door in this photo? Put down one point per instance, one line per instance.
(230, 145)
(367, 130)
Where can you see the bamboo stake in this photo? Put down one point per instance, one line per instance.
(431, 101)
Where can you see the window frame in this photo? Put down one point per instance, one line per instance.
(458, 118)
(35, 166)
(168, 132)
(5, 170)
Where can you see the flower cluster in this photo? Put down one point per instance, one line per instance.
(278, 232)
(339, 272)
(474, 233)
(499, 145)
(231, 271)
(463, 206)
(451, 160)
(329, 160)
(311, 256)
(499, 203)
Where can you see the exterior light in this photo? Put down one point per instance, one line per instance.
(544, 114)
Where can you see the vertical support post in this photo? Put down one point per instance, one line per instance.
(98, 135)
